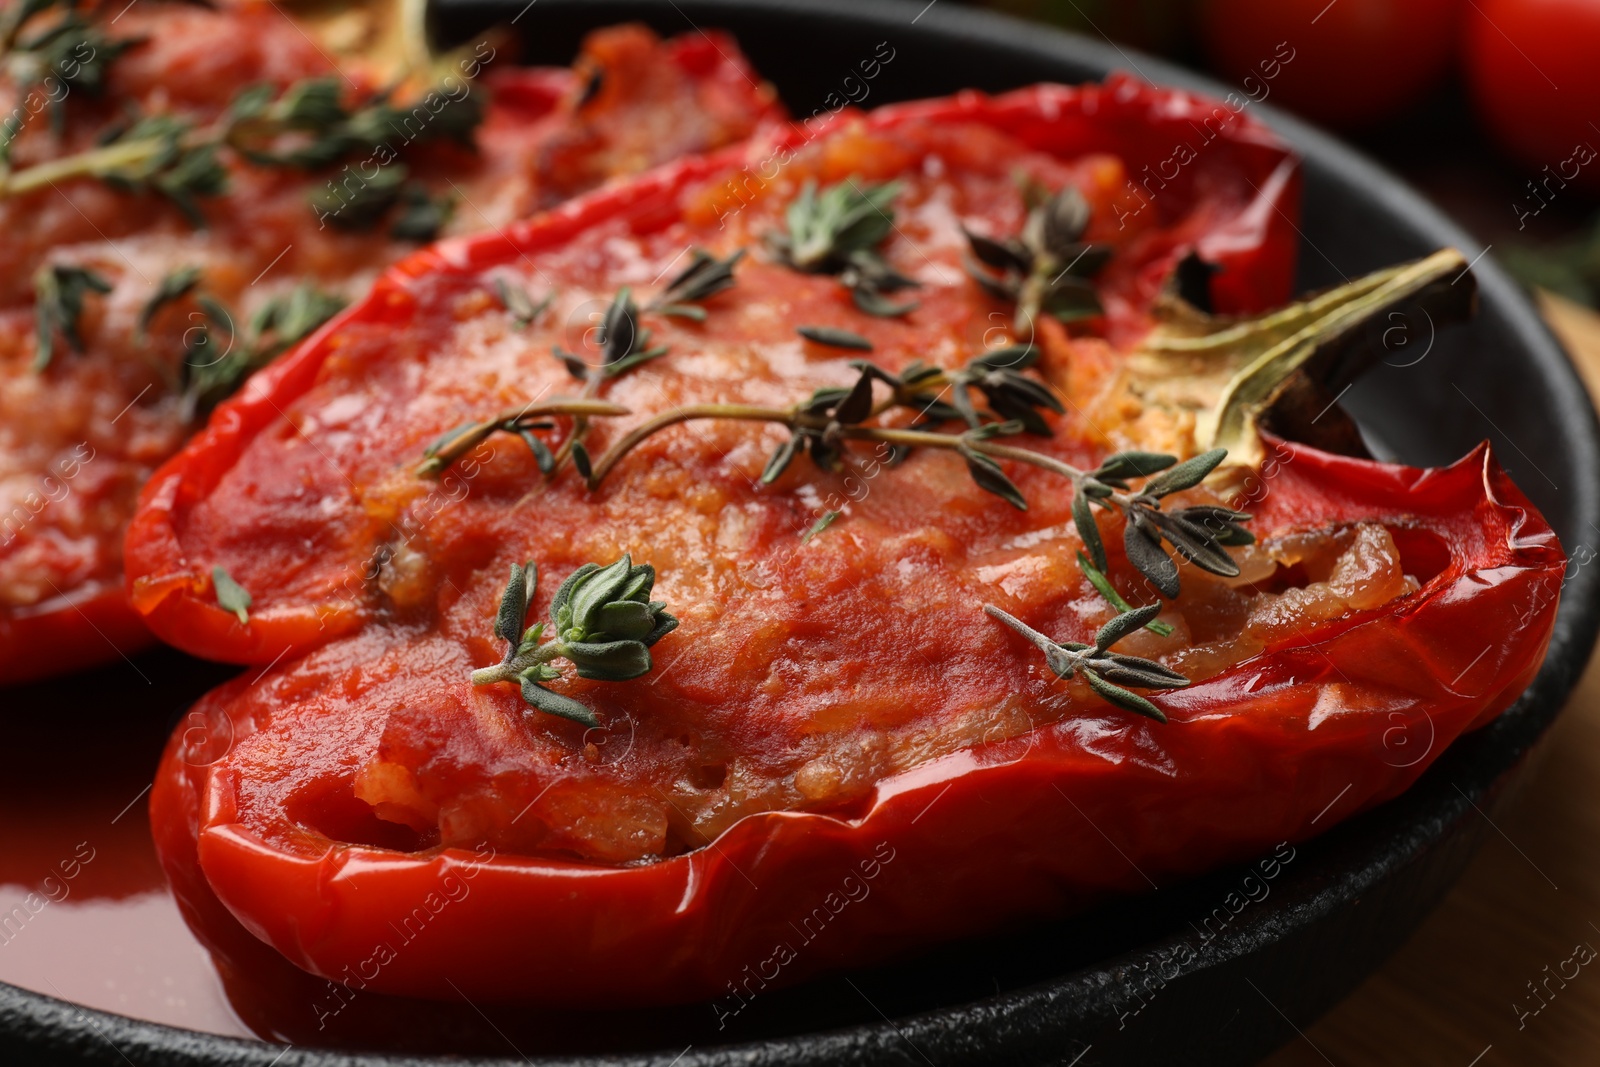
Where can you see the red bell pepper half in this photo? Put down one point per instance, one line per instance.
(1036, 825)
(548, 134)
(363, 809)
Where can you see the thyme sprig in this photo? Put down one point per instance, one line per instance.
(1047, 265)
(603, 622)
(1200, 534)
(704, 277)
(519, 305)
(837, 231)
(521, 422)
(304, 127)
(70, 49)
(1107, 672)
(218, 356)
(158, 153)
(997, 375)
(59, 290)
(820, 424)
(624, 345)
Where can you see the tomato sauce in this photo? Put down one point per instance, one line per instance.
(85, 912)
(802, 673)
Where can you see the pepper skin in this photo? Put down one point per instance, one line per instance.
(1094, 805)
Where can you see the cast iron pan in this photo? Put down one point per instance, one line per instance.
(1138, 981)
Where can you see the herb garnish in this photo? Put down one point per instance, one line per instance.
(58, 292)
(824, 422)
(1198, 533)
(624, 344)
(218, 356)
(821, 424)
(996, 374)
(821, 524)
(287, 320)
(71, 49)
(834, 338)
(704, 277)
(1103, 586)
(304, 127)
(1099, 666)
(1047, 266)
(174, 286)
(1241, 364)
(604, 622)
(520, 422)
(421, 214)
(837, 231)
(361, 205)
(519, 305)
(231, 596)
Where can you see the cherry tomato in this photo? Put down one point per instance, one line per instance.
(1345, 63)
(1532, 71)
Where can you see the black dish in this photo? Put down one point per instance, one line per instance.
(1108, 987)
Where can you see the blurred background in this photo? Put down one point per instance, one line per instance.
(1488, 106)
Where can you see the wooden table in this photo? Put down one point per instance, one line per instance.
(1452, 996)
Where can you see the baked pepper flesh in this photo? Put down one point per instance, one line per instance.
(834, 699)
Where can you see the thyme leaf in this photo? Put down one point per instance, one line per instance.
(174, 286)
(285, 321)
(231, 596)
(58, 294)
(519, 305)
(1044, 267)
(703, 278)
(837, 231)
(358, 206)
(421, 215)
(580, 460)
(1106, 672)
(602, 621)
(821, 524)
(624, 344)
(1011, 395)
(1199, 534)
(218, 354)
(834, 338)
(1103, 586)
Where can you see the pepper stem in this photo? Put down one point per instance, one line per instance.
(1236, 374)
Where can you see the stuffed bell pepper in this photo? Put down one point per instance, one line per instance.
(892, 529)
